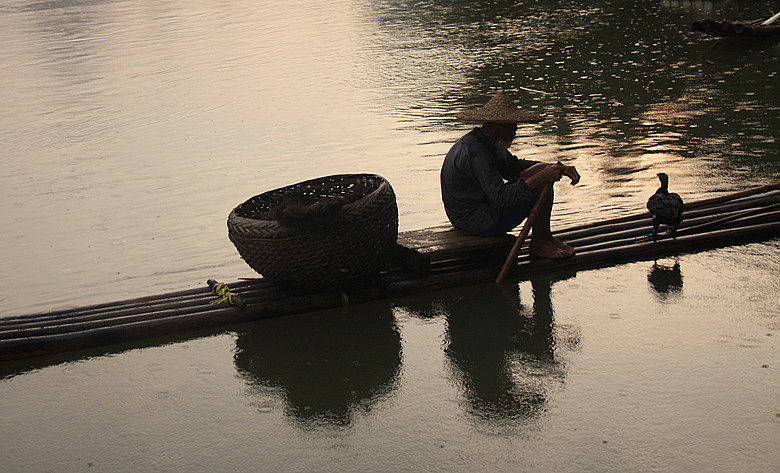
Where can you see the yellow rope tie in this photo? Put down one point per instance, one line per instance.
(223, 291)
(344, 299)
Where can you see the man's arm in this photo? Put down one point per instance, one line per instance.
(542, 174)
(491, 181)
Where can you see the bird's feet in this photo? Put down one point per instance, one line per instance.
(668, 233)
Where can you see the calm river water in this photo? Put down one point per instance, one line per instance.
(130, 129)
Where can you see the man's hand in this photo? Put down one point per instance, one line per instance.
(571, 173)
(542, 174)
(549, 174)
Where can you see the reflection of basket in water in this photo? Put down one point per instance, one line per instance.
(330, 232)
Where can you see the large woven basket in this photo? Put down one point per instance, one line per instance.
(344, 246)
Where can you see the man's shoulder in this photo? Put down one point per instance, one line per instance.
(474, 141)
(474, 135)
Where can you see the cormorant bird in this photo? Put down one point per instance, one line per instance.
(665, 207)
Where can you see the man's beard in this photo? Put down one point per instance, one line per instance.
(502, 148)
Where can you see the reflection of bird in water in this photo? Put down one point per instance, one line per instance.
(665, 207)
(666, 279)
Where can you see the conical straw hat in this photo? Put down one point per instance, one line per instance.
(499, 109)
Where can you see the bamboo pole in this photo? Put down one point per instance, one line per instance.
(97, 336)
(511, 259)
(133, 329)
(640, 236)
(688, 206)
(690, 225)
(161, 302)
(689, 217)
(28, 347)
(198, 295)
(187, 310)
(742, 222)
(257, 287)
(771, 20)
(52, 343)
(614, 240)
(730, 218)
(636, 251)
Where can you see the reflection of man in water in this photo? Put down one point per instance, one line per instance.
(502, 354)
(488, 191)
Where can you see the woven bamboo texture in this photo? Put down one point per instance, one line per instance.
(347, 249)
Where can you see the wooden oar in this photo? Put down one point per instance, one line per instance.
(771, 20)
(511, 259)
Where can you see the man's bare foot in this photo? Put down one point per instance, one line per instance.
(549, 249)
(567, 248)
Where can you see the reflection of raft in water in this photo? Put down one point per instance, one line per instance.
(424, 260)
(761, 27)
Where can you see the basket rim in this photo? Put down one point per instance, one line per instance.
(345, 254)
(233, 215)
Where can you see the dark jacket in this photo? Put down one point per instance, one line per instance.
(473, 178)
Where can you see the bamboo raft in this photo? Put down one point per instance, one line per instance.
(755, 28)
(426, 260)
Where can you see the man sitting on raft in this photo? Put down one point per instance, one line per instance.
(488, 191)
